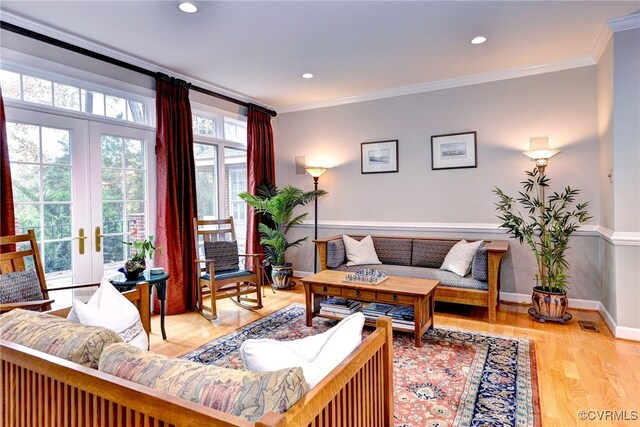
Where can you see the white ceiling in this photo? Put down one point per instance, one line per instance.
(260, 49)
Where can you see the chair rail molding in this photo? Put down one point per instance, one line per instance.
(442, 227)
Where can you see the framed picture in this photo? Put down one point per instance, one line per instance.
(454, 151)
(379, 157)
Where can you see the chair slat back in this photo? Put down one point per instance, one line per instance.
(16, 260)
(211, 230)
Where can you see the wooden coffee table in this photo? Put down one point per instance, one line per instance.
(418, 293)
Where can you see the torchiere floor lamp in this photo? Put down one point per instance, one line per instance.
(315, 172)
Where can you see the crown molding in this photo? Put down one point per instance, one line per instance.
(600, 43)
(624, 23)
(511, 73)
(114, 53)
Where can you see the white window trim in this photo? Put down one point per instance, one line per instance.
(39, 69)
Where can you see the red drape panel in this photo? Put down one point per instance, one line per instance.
(260, 166)
(7, 217)
(176, 192)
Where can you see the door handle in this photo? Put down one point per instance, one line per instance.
(98, 239)
(80, 238)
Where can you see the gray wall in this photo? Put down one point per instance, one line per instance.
(626, 154)
(505, 114)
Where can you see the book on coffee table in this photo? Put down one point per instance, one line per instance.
(402, 312)
(377, 308)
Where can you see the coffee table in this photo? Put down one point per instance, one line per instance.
(418, 293)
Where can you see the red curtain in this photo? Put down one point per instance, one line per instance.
(176, 175)
(260, 166)
(7, 218)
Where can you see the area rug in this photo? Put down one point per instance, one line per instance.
(457, 378)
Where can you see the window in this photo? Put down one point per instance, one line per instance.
(49, 92)
(221, 169)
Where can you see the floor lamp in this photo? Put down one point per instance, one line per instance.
(540, 152)
(315, 172)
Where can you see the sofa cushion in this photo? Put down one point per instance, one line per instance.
(430, 253)
(110, 309)
(446, 278)
(360, 252)
(480, 264)
(224, 255)
(336, 254)
(459, 258)
(241, 393)
(393, 251)
(317, 355)
(57, 336)
(20, 286)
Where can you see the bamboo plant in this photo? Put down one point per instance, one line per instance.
(545, 224)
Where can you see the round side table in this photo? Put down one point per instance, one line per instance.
(120, 282)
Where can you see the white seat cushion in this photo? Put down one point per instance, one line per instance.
(459, 258)
(360, 253)
(110, 309)
(317, 355)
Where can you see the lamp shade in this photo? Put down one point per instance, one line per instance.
(315, 171)
(539, 149)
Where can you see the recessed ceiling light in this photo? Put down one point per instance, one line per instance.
(478, 40)
(307, 76)
(188, 7)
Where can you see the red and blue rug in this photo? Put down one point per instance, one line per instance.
(457, 378)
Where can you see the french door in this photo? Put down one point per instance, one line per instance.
(84, 186)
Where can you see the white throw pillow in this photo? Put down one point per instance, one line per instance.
(110, 309)
(360, 253)
(317, 355)
(459, 258)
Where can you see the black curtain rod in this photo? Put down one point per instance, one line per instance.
(95, 55)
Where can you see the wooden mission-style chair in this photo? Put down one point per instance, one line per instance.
(22, 282)
(220, 273)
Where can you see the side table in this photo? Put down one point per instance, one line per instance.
(120, 282)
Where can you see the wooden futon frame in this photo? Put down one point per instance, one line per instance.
(43, 390)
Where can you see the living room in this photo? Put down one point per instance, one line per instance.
(581, 91)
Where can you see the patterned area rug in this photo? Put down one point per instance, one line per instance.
(456, 379)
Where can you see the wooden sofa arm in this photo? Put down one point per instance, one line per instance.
(496, 249)
(321, 246)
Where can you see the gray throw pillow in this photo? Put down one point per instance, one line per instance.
(20, 286)
(224, 255)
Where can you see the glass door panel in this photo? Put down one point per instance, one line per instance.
(122, 192)
(45, 152)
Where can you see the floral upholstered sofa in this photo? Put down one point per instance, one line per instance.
(422, 258)
(58, 372)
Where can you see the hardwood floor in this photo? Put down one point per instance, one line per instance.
(577, 370)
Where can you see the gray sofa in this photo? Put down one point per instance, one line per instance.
(421, 258)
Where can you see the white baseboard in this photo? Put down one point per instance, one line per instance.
(582, 304)
(298, 273)
(621, 332)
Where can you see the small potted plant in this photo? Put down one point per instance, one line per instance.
(546, 225)
(279, 204)
(135, 265)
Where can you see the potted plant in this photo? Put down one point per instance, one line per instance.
(135, 265)
(546, 225)
(279, 205)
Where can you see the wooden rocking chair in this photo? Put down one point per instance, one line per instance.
(220, 274)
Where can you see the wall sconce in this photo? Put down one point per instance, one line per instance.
(315, 172)
(540, 152)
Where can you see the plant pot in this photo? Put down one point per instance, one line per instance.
(132, 275)
(548, 304)
(281, 276)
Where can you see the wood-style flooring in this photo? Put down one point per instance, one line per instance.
(577, 370)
